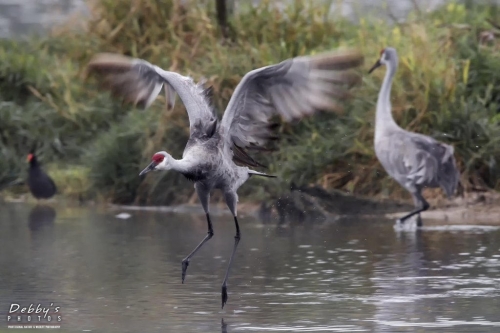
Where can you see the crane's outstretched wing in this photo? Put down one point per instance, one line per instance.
(291, 89)
(138, 82)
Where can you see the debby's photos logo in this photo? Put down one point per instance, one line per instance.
(34, 316)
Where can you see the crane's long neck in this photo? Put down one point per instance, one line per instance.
(383, 118)
(182, 165)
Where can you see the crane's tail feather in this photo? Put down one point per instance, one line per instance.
(256, 173)
(450, 175)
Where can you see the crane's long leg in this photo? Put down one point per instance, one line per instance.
(185, 261)
(417, 200)
(204, 195)
(236, 241)
(231, 200)
(421, 205)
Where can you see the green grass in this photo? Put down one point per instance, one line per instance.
(447, 86)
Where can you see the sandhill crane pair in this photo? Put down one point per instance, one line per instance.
(292, 89)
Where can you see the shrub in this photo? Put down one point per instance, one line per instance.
(446, 86)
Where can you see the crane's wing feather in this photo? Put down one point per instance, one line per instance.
(415, 159)
(138, 82)
(291, 89)
(435, 163)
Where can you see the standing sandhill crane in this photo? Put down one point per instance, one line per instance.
(292, 89)
(414, 160)
(39, 182)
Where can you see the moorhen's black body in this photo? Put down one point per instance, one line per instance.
(40, 184)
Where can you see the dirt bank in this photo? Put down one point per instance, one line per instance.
(315, 203)
(473, 208)
(306, 203)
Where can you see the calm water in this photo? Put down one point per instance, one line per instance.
(113, 275)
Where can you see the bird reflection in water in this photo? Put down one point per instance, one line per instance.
(41, 216)
(223, 326)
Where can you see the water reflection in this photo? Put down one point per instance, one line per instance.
(426, 283)
(223, 326)
(116, 275)
(41, 216)
(393, 299)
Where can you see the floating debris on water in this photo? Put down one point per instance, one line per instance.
(123, 216)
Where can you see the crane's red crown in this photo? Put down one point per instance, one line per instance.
(30, 157)
(382, 52)
(158, 158)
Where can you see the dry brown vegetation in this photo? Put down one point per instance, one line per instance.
(447, 86)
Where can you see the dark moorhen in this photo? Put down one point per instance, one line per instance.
(40, 184)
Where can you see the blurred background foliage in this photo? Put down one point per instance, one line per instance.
(447, 86)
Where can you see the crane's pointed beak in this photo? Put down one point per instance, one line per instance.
(377, 65)
(149, 168)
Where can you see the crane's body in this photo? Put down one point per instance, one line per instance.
(414, 160)
(291, 89)
(205, 163)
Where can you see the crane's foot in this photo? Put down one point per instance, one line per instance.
(400, 225)
(185, 264)
(419, 221)
(408, 224)
(224, 295)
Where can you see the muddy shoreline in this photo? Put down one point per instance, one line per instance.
(474, 208)
(304, 204)
(314, 203)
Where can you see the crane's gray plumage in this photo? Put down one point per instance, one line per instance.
(291, 89)
(414, 160)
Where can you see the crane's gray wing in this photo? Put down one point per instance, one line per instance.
(138, 82)
(416, 160)
(436, 163)
(291, 89)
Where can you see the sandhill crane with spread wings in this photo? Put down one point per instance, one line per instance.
(291, 89)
